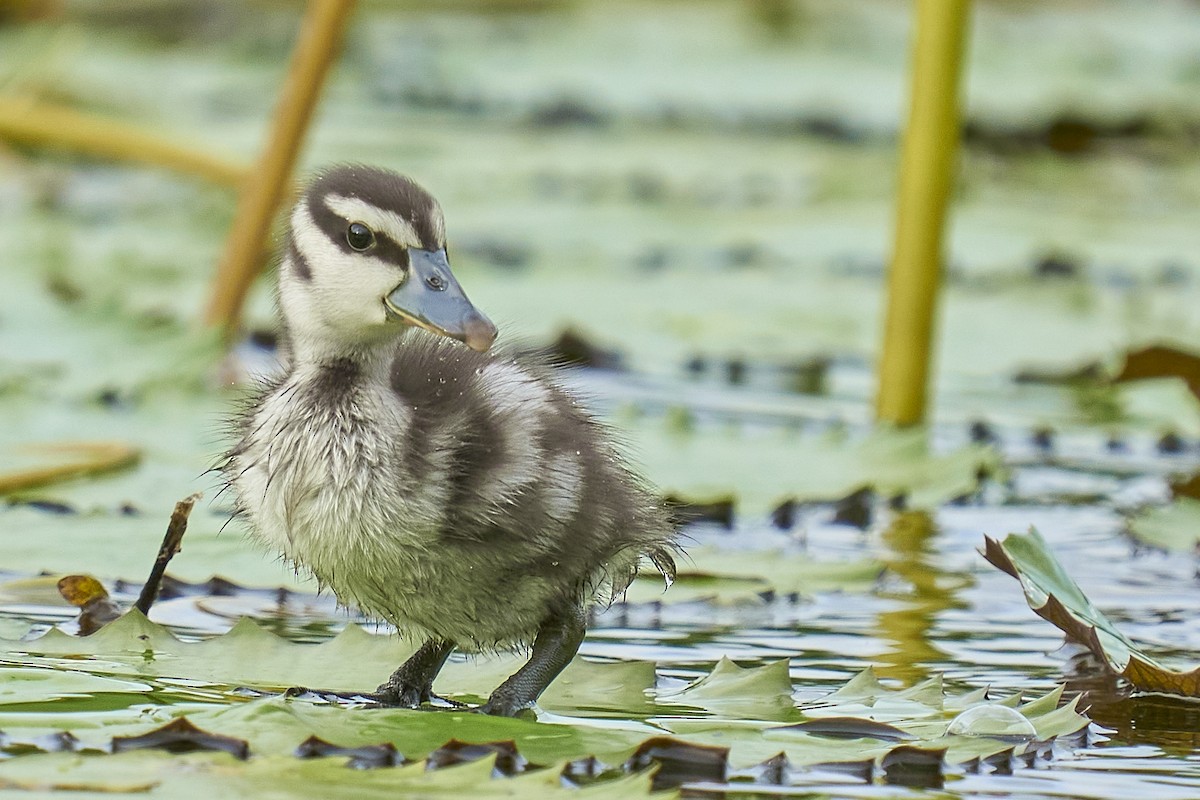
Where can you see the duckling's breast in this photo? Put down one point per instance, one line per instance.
(317, 477)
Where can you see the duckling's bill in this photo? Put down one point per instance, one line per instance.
(431, 298)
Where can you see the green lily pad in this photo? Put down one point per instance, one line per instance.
(739, 692)
(763, 469)
(138, 676)
(1173, 527)
(745, 577)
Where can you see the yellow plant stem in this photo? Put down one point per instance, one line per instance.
(33, 123)
(79, 459)
(927, 168)
(320, 34)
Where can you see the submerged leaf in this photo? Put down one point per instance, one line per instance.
(1056, 598)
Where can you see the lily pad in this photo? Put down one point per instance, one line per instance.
(132, 661)
(1173, 527)
(764, 468)
(731, 576)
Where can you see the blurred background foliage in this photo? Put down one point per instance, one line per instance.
(698, 194)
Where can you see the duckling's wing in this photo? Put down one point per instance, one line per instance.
(526, 478)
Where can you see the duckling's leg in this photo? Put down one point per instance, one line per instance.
(557, 643)
(412, 684)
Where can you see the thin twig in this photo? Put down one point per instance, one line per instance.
(170, 546)
(316, 48)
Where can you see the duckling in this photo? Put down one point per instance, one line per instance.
(459, 493)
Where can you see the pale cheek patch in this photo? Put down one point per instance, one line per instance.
(345, 291)
(377, 219)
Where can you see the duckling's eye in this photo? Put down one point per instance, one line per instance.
(359, 236)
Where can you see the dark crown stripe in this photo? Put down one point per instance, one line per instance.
(383, 189)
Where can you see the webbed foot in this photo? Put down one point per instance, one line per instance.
(411, 686)
(556, 644)
(411, 696)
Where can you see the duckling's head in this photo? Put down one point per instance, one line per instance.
(365, 260)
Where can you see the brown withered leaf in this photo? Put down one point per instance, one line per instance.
(1161, 361)
(96, 608)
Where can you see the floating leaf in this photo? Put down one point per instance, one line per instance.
(764, 470)
(742, 576)
(763, 692)
(1172, 527)
(1056, 598)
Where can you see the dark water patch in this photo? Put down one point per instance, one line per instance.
(181, 736)
(1057, 266)
(1073, 134)
(575, 349)
(509, 760)
(371, 756)
(47, 506)
(683, 512)
(679, 762)
(914, 767)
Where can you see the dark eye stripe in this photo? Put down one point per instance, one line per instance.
(334, 227)
(389, 250)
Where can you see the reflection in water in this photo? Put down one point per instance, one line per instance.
(929, 590)
(1170, 723)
